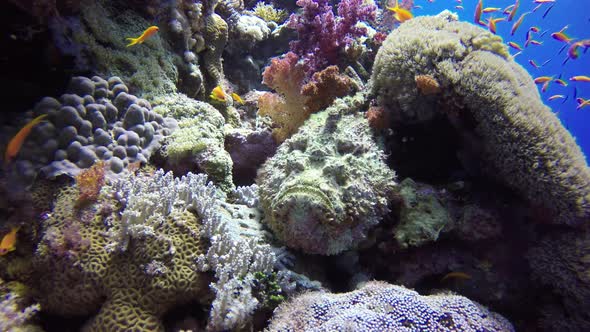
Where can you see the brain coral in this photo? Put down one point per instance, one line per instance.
(379, 306)
(494, 103)
(83, 267)
(328, 184)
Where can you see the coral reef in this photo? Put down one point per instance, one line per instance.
(237, 253)
(560, 264)
(215, 33)
(248, 150)
(295, 100)
(151, 249)
(378, 306)
(328, 184)
(422, 216)
(198, 144)
(100, 45)
(323, 36)
(95, 120)
(269, 13)
(492, 103)
(16, 310)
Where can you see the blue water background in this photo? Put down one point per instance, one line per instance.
(576, 14)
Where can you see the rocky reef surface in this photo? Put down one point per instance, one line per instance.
(165, 188)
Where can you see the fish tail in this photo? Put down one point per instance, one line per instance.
(133, 41)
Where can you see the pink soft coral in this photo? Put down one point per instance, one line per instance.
(294, 100)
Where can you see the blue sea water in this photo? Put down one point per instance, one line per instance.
(573, 13)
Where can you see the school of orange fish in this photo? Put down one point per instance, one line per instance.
(573, 45)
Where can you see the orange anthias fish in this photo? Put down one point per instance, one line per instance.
(17, 141)
(492, 24)
(145, 35)
(556, 97)
(400, 14)
(580, 78)
(515, 46)
(573, 52)
(518, 23)
(478, 9)
(582, 103)
(8, 243)
(458, 275)
(237, 98)
(490, 10)
(513, 11)
(218, 94)
(561, 36)
(543, 79)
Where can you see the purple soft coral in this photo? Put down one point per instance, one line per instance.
(322, 35)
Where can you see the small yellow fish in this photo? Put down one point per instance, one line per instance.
(17, 141)
(218, 94)
(458, 275)
(400, 14)
(237, 98)
(560, 82)
(8, 243)
(145, 35)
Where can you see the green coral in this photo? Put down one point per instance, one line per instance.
(422, 216)
(267, 290)
(130, 289)
(269, 13)
(200, 138)
(494, 105)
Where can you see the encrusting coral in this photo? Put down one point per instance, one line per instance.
(328, 184)
(198, 144)
(378, 306)
(504, 124)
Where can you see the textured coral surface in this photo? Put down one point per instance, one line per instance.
(378, 306)
(326, 185)
(518, 139)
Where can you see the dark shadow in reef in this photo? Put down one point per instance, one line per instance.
(31, 65)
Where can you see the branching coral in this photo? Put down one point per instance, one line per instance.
(296, 101)
(322, 36)
(269, 13)
(287, 109)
